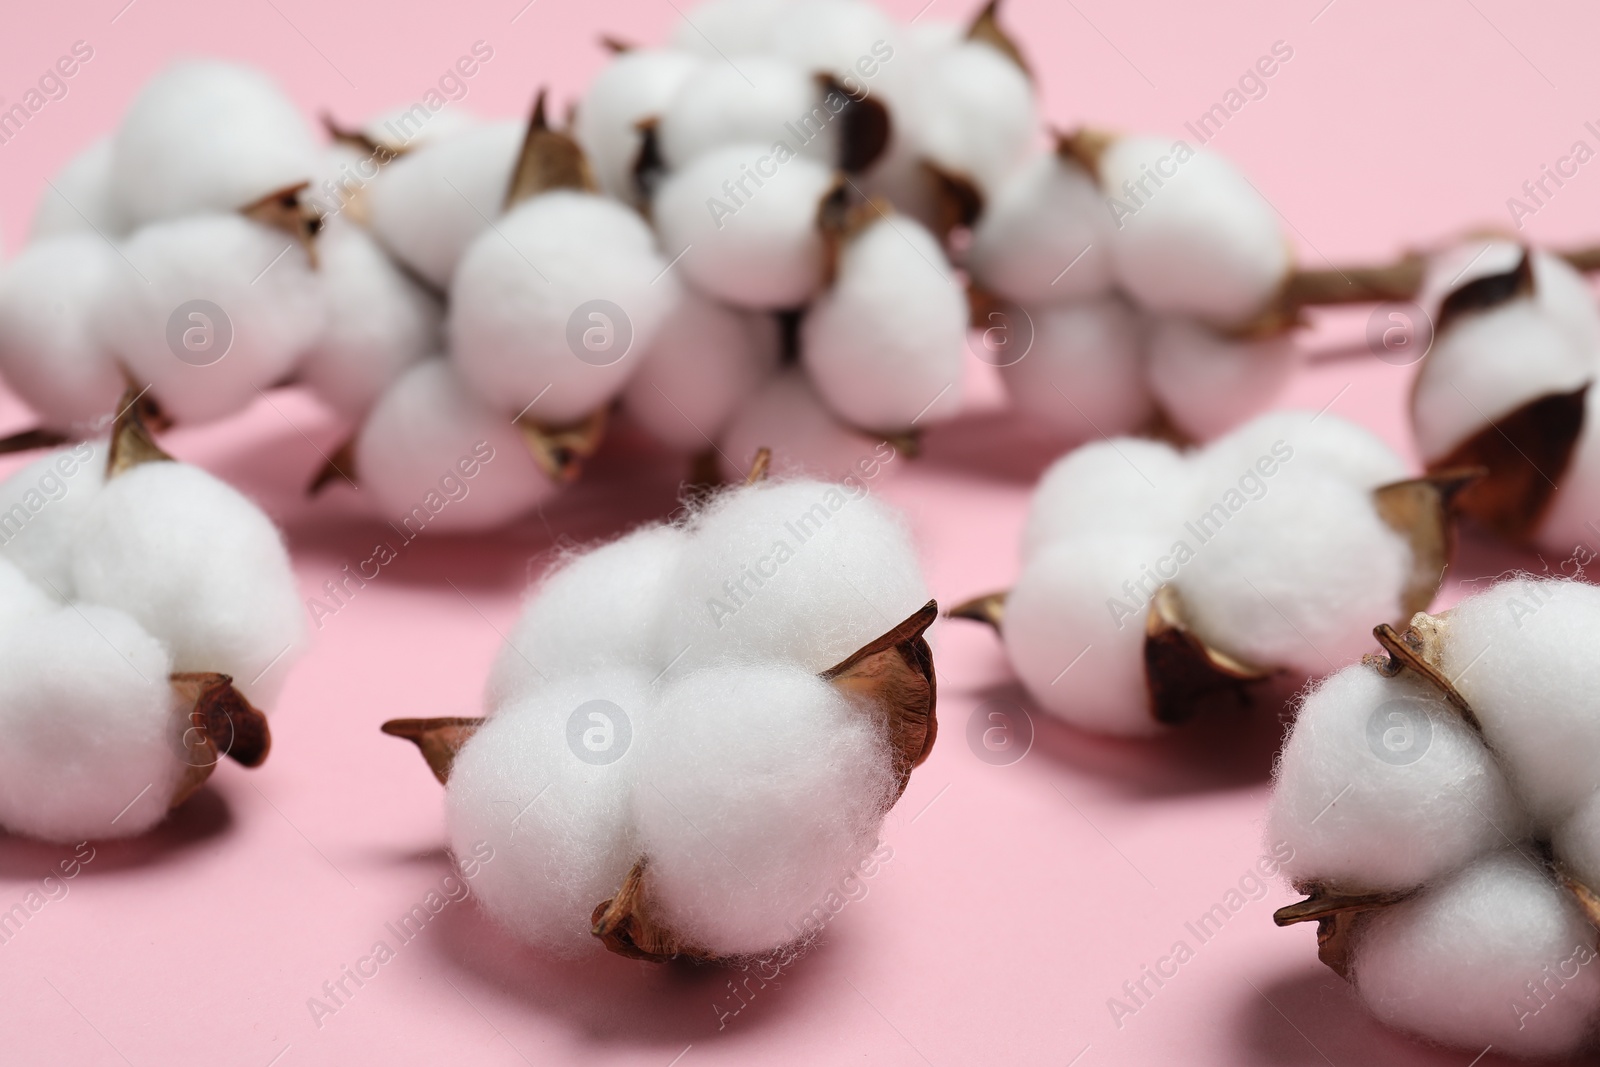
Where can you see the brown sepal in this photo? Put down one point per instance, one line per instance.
(989, 609)
(1084, 146)
(957, 200)
(1182, 673)
(894, 676)
(1587, 899)
(28, 440)
(550, 159)
(560, 451)
(983, 306)
(649, 165)
(1584, 259)
(131, 444)
(284, 210)
(616, 45)
(234, 727)
(986, 28)
(624, 926)
(342, 464)
(351, 137)
(760, 466)
(1525, 454)
(841, 216)
(438, 739)
(1484, 293)
(1418, 650)
(864, 126)
(1337, 915)
(1420, 509)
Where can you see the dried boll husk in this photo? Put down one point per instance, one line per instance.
(608, 855)
(1450, 879)
(1198, 242)
(884, 345)
(206, 136)
(1125, 659)
(78, 199)
(1521, 418)
(51, 353)
(633, 89)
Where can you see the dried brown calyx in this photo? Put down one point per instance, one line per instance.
(957, 200)
(842, 216)
(649, 165)
(1185, 675)
(1084, 146)
(340, 466)
(864, 125)
(550, 159)
(890, 678)
(287, 210)
(986, 28)
(1337, 916)
(219, 721)
(560, 450)
(616, 45)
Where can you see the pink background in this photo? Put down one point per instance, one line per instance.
(1019, 898)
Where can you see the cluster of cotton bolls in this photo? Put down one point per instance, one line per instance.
(683, 726)
(1444, 821)
(1134, 281)
(146, 608)
(790, 156)
(1268, 549)
(1506, 384)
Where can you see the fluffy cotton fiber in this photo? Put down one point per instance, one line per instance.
(108, 588)
(745, 782)
(1279, 559)
(1384, 787)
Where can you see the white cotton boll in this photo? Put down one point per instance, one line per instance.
(833, 36)
(633, 87)
(885, 344)
(1471, 377)
(435, 457)
(801, 572)
(1208, 384)
(1044, 237)
(558, 824)
(1081, 656)
(79, 197)
(428, 205)
(596, 611)
(1560, 290)
(1084, 375)
(407, 126)
(977, 115)
(705, 360)
(1301, 443)
(200, 567)
(521, 288)
(1291, 573)
(270, 299)
(42, 507)
(1382, 786)
(763, 101)
(720, 29)
(1195, 238)
(20, 599)
(51, 353)
(1574, 513)
(91, 727)
(758, 246)
(1461, 962)
(1576, 842)
(1129, 485)
(379, 322)
(787, 416)
(760, 789)
(1519, 653)
(205, 135)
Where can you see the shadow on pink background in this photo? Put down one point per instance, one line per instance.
(1019, 899)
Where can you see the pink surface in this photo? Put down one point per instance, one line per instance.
(1019, 899)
